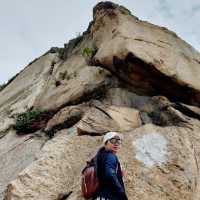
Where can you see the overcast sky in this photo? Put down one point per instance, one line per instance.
(28, 28)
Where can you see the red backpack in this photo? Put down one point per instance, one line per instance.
(89, 181)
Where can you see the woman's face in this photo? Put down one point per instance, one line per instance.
(113, 144)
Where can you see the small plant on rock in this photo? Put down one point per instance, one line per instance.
(88, 52)
(31, 121)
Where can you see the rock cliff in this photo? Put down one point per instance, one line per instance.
(122, 74)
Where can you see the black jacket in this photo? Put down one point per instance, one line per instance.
(110, 176)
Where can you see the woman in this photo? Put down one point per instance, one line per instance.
(108, 169)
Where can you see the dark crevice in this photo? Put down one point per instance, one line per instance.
(64, 196)
(18, 145)
(179, 167)
(186, 111)
(165, 42)
(144, 76)
(168, 118)
(153, 43)
(66, 124)
(160, 82)
(82, 132)
(164, 119)
(198, 61)
(3, 133)
(147, 80)
(161, 113)
(132, 86)
(103, 112)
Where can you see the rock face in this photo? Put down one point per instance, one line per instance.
(162, 163)
(146, 55)
(16, 153)
(22, 92)
(165, 163)
(102, 119)
(56, 172)
(124, 75)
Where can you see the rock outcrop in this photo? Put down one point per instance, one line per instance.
(16, 153)
(122, 74)
(145, 55)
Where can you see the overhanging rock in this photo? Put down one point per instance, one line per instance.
(145, 55)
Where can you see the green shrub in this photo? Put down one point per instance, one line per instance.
(24, 121)
(88, 52)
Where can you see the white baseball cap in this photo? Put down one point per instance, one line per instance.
(110, 135)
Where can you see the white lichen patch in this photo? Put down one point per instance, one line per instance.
(151, 149)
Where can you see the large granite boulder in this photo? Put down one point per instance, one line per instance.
(79, 83)
(99, 120)
(145, 55)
